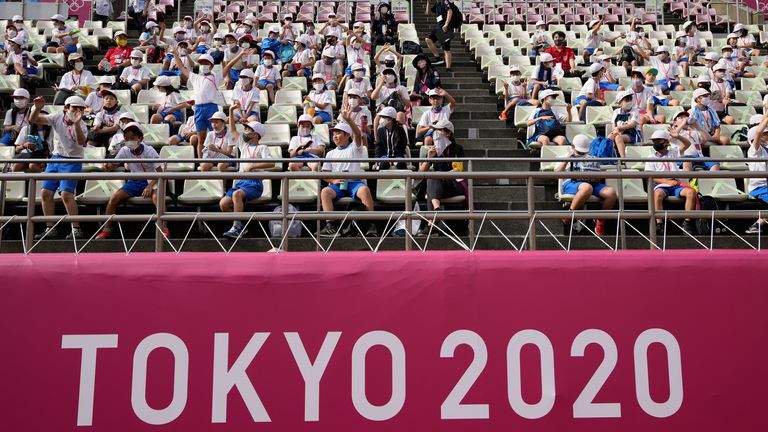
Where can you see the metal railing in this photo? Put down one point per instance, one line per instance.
(531, 214)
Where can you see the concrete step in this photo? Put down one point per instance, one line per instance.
(475, 115)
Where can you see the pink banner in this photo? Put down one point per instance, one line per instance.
(441, 341)
(79, 8)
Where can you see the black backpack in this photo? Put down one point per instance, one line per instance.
(457, 18)
(704, 225)
(410, 47)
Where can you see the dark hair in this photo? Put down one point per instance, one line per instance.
(559, 33)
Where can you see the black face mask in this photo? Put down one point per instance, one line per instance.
(559, 42)
(704, 86)
(743, 33)
(659, 147)
(389, 64)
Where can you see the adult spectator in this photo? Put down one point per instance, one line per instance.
(103, 11)
(444, 149)
(391, 140)
(137, 10)
(348, 142)
(384, 27)
(563, 56)
(669, 185)
(442, 33)
(146, 160)
(78, 81)
(540, 40)
(69, 139)
(548, 125)
(758, 187)
(426, 79)
(117, 57)
(583, 188)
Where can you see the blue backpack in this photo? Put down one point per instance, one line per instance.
(603, 147)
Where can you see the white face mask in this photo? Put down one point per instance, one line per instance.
(70, 116)
(705, 101)
(626, 105)
(515, 79)
(217, 43)
(11, 34)
(441, 141)
(79, 66)
(358, 74)
(389, 79)
(231, 45)
(182, 52)
(267, 62)
(305, 131)
(245, 45)
(135, 62)
(354, 102)
(20, 103)
(318, 86)
(384, 122)
(205, 69)
(205, 29)
(188, 24)
(133, 145)
(245, 81)
(356, 46)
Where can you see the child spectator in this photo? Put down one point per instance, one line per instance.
(515, 93)
(758, 187)
(269, 75)
(443, 105)
(706, 117)
(65, 39)
(548, 125)
(116, 57)
(17, 117)
(245, 99)
(105, 124)
(626, 123)
(696, 136)
(170, 110)
(135, 77)
(319, 101)
(305, 145)
(220, 144)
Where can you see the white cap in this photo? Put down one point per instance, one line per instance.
(624, 93)
(738, 27)
(540, 23)
(358, 66)
(318, 76)
(543, 94)
(179, 30)
(755, 119)
(288, 16)
(358, 24)
(17, 18)
(595, 67)
(581, 143)
(258, 128)
(329, 53)
(162, 81)
(205, 57)
(303, 39)
(74, 56)
(248, 21)
(704, 78)
(354, 92)
(592, 23)
(218, 115)
(187, 17)
(344, 128)
(133, 125)
(752, 133)
(514, 68)
(137, 54)
(719, 66)
(726, 47)
(305, 118)
(230, 34)
(388, 112)
(127, 116)
(150, 24)
(712, 56)
(106, 79)
(660, 134)
(20, 92)
(75, 101)
(432, 92)
(332, 14)
(267, 53)
(680, 34)
(443, 123)
(218, 36)
(699, 92)
(18, 40)
(732, 35)
(246, 73)
(687, 24)
(58, 17)
(546, 57)
(120, 33)
(662, 48)
(274, 29)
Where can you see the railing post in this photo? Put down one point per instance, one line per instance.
(531, 214)
(620, 192)
(471, 201)
(284, 183)
(31, 203)
(408, 209)
(159, 237)
(651, 212)
(126, 17)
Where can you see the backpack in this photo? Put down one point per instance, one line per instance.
(286, 53)
(394, 101)
(602, 147)
(457, 19)
(704, 225)
(276, 226)
(740, 135)
(552, 127)
(411, 47)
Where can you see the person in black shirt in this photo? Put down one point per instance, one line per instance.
(442, 32)
(427, 78)
(391, 140)
(384, 27)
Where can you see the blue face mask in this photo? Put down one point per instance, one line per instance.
(437, 108)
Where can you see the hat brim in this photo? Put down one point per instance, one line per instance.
(420, 57)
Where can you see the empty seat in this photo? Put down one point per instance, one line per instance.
(276, 134)
(391, 190)
(202, 192)
(98, 192)
(723, 189)
(553, 151)
(156, 134)
(632, 192)
(639, 152)
(282, 114)
(177, 152)
(301, 191)
(724, 152)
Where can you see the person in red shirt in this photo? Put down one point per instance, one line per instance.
(563, 55)
(116, 57)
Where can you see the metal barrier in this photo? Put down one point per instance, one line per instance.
(530, 214)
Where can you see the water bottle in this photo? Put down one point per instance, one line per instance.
(343, 185)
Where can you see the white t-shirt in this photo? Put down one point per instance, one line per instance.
(745, 42)
(67, 39)
(662, 165)
(172, 99)
(561, 117)
(18, 59)
(589, 87)
(133, 74)
(248, 151)
(330, 72)
(324, 98)
(65, 137)
(362, 118)
(22, 117)
(351, 151)
(759, 153)
(299, 141)
(641, 99)
(695, 138)
(246, 97)
(242, 63)
(148, 153)
(221, 142)
(355, 55)
(103, 118)
(206, 88)
(430, 116)
(364, 86)
(634, 116)
(385, 92)
(303, 57)
(24, 133)
(667, 71)
(593, 40)
(85, 79)
(718, 92)
(271, 74)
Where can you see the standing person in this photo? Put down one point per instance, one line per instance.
(384, 26)
(443, 32)
(146, 161)
(758, 187)
(68, 141)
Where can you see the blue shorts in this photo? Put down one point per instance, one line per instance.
(172, 72)
(307, 72)
(61, 185)
(202, 113)
(307, 156)
(428, 133)
(351, 191)
(264, 83)
(668, 85)
(760, 193)
(670, 190)
(6, 139)
(31, 70)
(176, 113)
(608, 86)
(683, 60)
(571, 187)
(660, 101)
(578, 100)
(331, 84)
(135, 188)
(323, 115)
(700, 164)
(252, 188)
(252, 113)
(71, 48)
(590, 51)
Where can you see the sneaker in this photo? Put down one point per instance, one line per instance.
(371, 231)
(398, 232)
(755, 228)
(166, 233)
(235, 232)
(424, 230)
(49, 234)
(105, 233)
(76, 233)
(688, 227)
(576, 228)
(438, 60)
(600, 227)
(503, 116)
(329, 230)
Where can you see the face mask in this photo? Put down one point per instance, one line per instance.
(20, 103)
(638, 83)
(422, 64)
(245, 81)
(205, 29)
(659, 147)
(389, 79)
(559, 42)
(19, 25)
(180, 37)
(182, 52)
(154, 30)
(353, 102)
(11, 34)
(356, 46)
(663, 56)
(135, 62)
(384, 122)
(515, 79)
(205, 69)
(305, 131)
(79, 66)
(231, 45)
(245, 45)
(358, 74)
(133, 145)
(310, 31)
(684, 40)
(70, 116)
(122, 42)
(626, 105)
(248, 137)
(705, 101)
(318, 86)
(217, 43)
(187, 24)
(267, 62)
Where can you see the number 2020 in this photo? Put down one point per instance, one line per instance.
(583, 407)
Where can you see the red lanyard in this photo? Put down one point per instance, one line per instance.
(246, 97)
(722, 89)
(637, 98)
(78, 81)
(71, 132)
(666, 72)
(135, 156)
(248, 151)
(223, 138)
